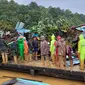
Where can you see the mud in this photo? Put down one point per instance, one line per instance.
(49, 80)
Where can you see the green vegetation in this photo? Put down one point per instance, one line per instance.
(37, 18)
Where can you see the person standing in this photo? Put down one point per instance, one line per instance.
(53, 49)
(30, 49)
(81, 51)
(21, 47)
(62, 52)
(26, 49)
(44, 47)
(35, 47)
(57, 58)
(14, 47)
(4, 51)
(69, 53)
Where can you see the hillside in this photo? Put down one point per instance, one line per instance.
(37, 18)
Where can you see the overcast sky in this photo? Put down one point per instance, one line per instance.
(73, 5)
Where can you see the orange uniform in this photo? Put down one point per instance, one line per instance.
(25, 47)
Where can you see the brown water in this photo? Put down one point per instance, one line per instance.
(49, 80)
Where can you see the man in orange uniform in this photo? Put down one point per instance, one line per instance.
(26, 50)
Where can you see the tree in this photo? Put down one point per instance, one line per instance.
(37, 18)
(33, 6)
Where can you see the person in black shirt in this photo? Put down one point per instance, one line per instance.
(14, 48)
(3, 50)
(30, 49)
(35, 47)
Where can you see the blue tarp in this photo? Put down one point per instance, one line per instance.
(19, 28)
(28, 82)
(20, 81)
(19, 25)
(35, 35)
(81, 28)
(22, 31)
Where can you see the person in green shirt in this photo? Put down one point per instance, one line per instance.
(21, 47)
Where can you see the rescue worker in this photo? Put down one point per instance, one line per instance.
(53, 49)
(62, 52)
(26, 50)
(81, 51)
(21, 47)
(44, 51)
(57, 58)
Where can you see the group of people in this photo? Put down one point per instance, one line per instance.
(28, 50)
(21, 49)
(58, 48)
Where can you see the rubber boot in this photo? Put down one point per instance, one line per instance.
(15, 60)
(6, 56)
(22, 55)
(3, 58)
(82, 64)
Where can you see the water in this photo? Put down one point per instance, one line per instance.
(49, 80)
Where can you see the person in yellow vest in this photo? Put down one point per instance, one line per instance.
(53, 49)
(81, 51)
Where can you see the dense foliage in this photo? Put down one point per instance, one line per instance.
(37, 18)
